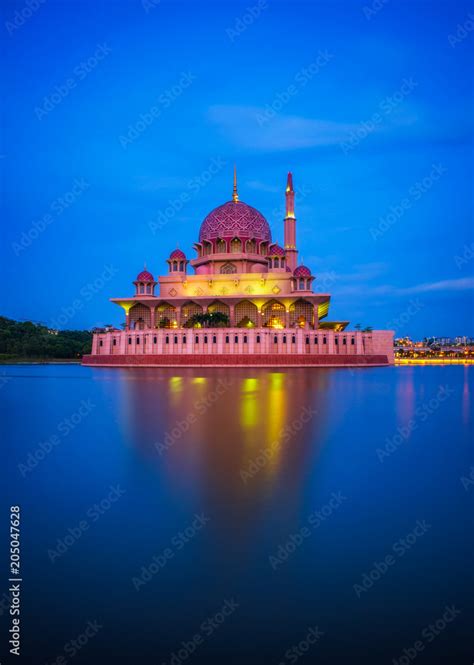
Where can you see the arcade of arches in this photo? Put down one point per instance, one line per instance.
(245, 313)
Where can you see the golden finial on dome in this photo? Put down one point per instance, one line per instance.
(235, 196)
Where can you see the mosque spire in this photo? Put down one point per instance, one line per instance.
(290, 196)
(289, 225)
(235, 195)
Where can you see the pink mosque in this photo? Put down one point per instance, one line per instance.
(247, 303)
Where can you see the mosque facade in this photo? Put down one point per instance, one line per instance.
(242, 300)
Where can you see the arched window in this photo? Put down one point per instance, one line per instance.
(148, 288)
(301, 286)
(228, 269)
(142, 288)
(181, 265)
(175, 266)
(220, 246)
(236, 246)
(276, 262)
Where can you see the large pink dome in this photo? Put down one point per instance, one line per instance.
(235, 219)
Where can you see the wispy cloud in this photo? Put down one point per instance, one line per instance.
(442, 286)
(461, 284)
(284, 132)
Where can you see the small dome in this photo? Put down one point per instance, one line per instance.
(178, 254)
(145, 276)
(302, 271)
(276, 250)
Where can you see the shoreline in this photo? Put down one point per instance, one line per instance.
(398, 362)
(434, 361)
(36, 361)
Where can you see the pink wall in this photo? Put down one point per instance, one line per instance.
(244, 342)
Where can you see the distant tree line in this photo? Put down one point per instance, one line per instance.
(30, 340)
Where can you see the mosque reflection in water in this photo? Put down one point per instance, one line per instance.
(231, 437)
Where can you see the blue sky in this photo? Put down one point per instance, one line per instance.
(123, 119)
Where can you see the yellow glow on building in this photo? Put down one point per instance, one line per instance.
(274, 322)
(323, 309)
(127, 306)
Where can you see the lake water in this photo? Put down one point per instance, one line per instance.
(242, 515)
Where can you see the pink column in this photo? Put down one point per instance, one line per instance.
(330, 339)
(300, 340)
(160, 340)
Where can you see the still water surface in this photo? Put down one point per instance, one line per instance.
(241, 515)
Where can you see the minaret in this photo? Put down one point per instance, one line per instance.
(290, 225)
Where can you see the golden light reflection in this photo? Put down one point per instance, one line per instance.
(176, 389)
(249, 404)
(276, 417)
(176, 384)
(199, 379)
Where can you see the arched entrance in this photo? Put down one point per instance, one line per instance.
(165, 316)
(301, 314)
(219, 306)
(246, 314)
(274, 314)
(188, 310)
(140, 317)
